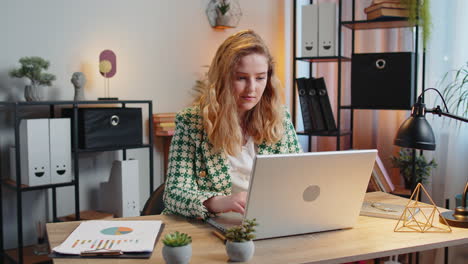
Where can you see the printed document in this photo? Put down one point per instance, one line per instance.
(126, 236)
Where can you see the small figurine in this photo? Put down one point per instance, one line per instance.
(78, 80)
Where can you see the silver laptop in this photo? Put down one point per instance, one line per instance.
(291, 194)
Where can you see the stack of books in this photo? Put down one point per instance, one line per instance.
(164, 124)
(386, 8)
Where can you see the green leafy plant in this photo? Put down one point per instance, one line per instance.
(177, 239)
(419, 14)
(454, 87)
(404, 161)
(31, 67)
(242, 233)
(223, 7)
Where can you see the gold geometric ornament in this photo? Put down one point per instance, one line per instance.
(419, 217)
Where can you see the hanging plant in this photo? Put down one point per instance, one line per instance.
(419, 14)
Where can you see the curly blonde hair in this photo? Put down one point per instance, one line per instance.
(218, 104)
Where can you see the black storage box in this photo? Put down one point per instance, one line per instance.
(108, 127)
(383, 80)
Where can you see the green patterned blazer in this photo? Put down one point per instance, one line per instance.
(197, 173)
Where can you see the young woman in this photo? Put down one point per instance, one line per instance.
(237, 115)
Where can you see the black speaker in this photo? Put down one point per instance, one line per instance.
(383, 80)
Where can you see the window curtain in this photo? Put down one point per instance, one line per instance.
(447, 51)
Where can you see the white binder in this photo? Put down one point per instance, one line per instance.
(34, 146)
(60, 150)
(121, 194)
(309, 31)
(327, 29)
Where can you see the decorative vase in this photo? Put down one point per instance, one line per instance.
(230, 18)
(240, 251)
(224, 21)
(177, 255)
(32, 93)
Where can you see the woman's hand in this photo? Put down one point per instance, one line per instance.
(223, 204)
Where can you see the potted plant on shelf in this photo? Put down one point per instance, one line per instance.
(239, 245)
(31, 68)
(404, 162)
(177, 248)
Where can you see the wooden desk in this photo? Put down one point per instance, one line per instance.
(370, 238)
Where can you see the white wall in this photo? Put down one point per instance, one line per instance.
(161, 46)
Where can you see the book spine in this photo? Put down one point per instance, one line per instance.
(302, 91)
(314, 106)
(325, 104)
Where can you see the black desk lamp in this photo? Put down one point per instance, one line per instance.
(416, 133)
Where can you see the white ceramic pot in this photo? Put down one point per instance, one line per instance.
(224, 20)
(240, 251)
(177, 255)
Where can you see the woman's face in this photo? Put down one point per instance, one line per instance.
(249, 82)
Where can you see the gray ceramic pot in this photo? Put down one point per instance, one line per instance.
(240, 251)
(177, 255)
(32, 93)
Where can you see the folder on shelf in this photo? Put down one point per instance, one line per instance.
(316, 115)
(325, 105)
(302, 92)
(310, 106)
(327, 29)
(111, 239)
(309, 43)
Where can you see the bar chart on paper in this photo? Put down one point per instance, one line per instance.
(127, 236)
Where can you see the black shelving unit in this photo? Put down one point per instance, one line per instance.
(16, 109)
(353, 25)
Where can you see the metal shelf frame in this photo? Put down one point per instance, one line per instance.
(353, 25)
(16, 108)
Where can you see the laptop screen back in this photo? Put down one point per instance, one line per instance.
(293, 194)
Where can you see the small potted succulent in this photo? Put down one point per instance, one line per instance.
(239, 245)
(177, 248)
(31, 68)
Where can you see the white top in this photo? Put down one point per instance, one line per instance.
(241, 166)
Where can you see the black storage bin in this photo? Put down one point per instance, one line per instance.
(108, 127)
(383, 80)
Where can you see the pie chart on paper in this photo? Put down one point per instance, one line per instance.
(115, 231)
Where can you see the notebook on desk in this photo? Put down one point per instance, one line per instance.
(291, 194)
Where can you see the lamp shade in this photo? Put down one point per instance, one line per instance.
(416, 133)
